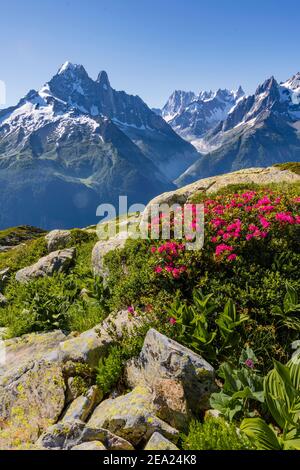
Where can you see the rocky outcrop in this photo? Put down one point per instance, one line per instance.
(101, 249)
(56, 262)
(67, 435)
(214, 183)
(58, 239)
(92, 344)
(181, 380)
(34, 346)
(30, 400)
(132, 417)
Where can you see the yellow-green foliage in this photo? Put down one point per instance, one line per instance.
(215, 434)
(291, 166)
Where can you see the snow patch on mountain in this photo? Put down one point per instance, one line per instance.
(192, 116)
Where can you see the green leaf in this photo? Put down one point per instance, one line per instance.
(292, 444)
(262, 435)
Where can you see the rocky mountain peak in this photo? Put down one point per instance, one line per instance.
(103, 80)
(68, 68)
(269, 85)
(293, 83)
(239, 93)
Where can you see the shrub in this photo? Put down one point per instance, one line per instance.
(109, 370)
(215, 434)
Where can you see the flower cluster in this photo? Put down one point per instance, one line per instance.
(240, 218)
(231, 222)
(169, 257)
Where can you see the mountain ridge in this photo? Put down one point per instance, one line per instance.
(261, 129)
(61, 156)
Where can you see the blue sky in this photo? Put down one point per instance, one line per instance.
(148, 47)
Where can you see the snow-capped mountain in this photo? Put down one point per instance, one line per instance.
(76, 143)
(191, 115)
(177, 103)
(72, 85)
(261, 129)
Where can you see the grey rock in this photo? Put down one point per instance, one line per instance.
(101, 249)
(67, 435)
(58, 239)
(33, 346)
(164, 359)
(93, 445)
(82, 406)
(56, 262)
(89, 346)
(132, 417)
(159, 442)
(30, 400)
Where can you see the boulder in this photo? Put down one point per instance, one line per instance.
(93, 445)
(55, 262)
(101, 249)
(132, 417)
(82, 406)
(172, 404)
(67, 435)
(89, 346)
(58, 239)
(185, 372)
(159, 442)
(31, 399)
(33, 346)
(170, 198)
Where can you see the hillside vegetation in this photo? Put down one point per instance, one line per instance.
(236, 302)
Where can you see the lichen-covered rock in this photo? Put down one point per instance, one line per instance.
(67, 435)
(93, 445)
(101, 249)
(33, 346)
(89, 346)
(164, 359)
(58, 239)
(82, 406)
(132, 417)
(171, 402)
(159, 442)
(31, 399)
(55, 262)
